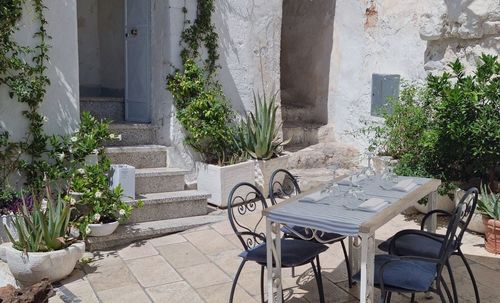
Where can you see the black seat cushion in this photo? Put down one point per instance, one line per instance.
(411, 275)
(416, 245)
(324, 237)
(293, 252)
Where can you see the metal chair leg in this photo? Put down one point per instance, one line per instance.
(389, 296)
(441, 296)
(447, 290)
(348, 264)
(412, 297)
(235, 281)
(262, 284)
(318, 281)
(452, 280)
(318, 266)
(469, 270)
(293, 271)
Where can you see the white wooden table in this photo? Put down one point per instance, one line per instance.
(320, 217)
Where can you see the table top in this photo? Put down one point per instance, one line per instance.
(330, 214)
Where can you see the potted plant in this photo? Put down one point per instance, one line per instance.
(100, 208)
(44, 248)
(489, 206)
(259, 136)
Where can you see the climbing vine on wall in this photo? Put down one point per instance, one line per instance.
(22, 70)
(202, 108)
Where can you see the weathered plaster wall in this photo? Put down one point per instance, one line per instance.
(101, 46)
(60, 106)
(370, 37)
(306, 45)
(460, 29)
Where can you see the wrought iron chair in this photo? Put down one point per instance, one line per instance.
(412, 274)
(425, 244)
(283, 185)
(245, 205)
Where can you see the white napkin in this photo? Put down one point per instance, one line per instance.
(313, 197)
(404, 185)
(355, 182)
(372, 204)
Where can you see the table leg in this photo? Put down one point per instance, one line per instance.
(431, 205)
(273, 246)
(354, 254)
(366, 291)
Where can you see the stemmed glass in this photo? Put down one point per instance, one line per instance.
(388, 175)
(368, 172)
(333, 188)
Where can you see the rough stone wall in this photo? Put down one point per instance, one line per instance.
(61, 103)
(370, 37)
(460, 29)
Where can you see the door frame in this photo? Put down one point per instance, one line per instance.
(148, 55)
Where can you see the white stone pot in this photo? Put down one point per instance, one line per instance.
(264, 169)
(7, 222)
(92, 159)
(32, 267)
(101, 230)
(443, 202)
(476, 224)
(219, 180)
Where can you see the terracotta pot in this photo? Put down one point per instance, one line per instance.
(492, 235)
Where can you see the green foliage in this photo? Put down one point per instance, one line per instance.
(44, 228)
(202, 109)
(10, 153)
(259, 134)
(449, 128)
(489, 203)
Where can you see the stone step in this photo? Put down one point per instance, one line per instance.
(104, 107)
(140, 156)
(301, 135)
(132, 134)
(295, 114)
(128, 233)
(159, 179)
(170, 205)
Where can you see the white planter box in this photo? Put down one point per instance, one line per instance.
(443, 202)
(32, 267)
(264, 169)
(101, 230)
(7, 220)
(125, 175)
(219, 180)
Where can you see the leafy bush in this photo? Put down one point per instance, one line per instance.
(204, 113)
(259, 134)
(448, 128)
(45, 227)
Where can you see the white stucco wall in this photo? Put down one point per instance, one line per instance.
(60, 105)
(370, 37)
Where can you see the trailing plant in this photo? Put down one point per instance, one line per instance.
(489, 203)
(43, 228)
(201, 107)
(449, 128)
(259, 133)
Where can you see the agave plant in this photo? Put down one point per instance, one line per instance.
(489, 203)
(44, 227)
(258, 134)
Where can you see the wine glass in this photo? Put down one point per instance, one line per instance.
(368, 172)
(332, 188)
(388, 174)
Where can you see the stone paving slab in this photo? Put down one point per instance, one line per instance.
(199, 265)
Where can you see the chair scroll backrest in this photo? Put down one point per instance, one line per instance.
(469, 199)
(245, 205)
(282, 185)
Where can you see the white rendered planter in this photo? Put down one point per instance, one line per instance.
(264, 169)
(32, 267)
(219, 180)
(476, 224)
(443, 202)
(7, 221)
(101, 230)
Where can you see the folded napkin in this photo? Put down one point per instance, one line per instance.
(355, 181)
(404, 185)
(313, 197)
(372, 204)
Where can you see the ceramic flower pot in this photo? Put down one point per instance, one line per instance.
(32, 267)
(7, 223)
(492, 235)
(101, 230)
(264, 169)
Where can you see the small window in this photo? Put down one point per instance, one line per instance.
(384, 87)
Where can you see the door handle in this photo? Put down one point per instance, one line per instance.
(134, 32)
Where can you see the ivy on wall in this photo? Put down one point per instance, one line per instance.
(201, 107)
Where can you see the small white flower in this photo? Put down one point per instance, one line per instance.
(87, 230)
(97, 217)
(98, 194)
(45, 119)
(121, 212)
(70, 150)
(111, 136)
(74, 139)
(81, 171)
(95, 151)
(72, 201)
(43, 205)
(119, 137)
(60, 156)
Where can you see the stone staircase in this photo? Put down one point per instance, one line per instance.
(167, 206)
